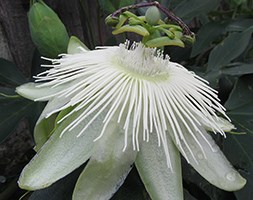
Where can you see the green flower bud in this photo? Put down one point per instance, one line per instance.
(134, 29)
(178, 34)
(189, 39)
(47, 31)
(111, 21)
(153, 15)
(164, 41)
(134, 21)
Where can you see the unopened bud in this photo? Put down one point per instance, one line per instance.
(153, 15)
(111, 21)
(47, 31)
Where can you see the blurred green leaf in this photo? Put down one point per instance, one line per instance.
(238, 69)
(241, 95)
(229, 49)
(109, 6)
(242, 117)
(43, 130)
(125, 2)
(166, 3)
(188, 196)
(13, 110)
(6, 91)
(239, 2)
(239, 148)
(37, 62)
(45, 126)
(132, 188)
(239, 24)
(205, 36)
(9, 73)
(190, 9)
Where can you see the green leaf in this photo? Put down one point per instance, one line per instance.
(238, 149)
(6, 91)
(160, 181)
(239, 2)
(241, 95)
(45, 126)
(190, 9)
(123, 3)
(132, 188)
(61, 155)
(9, 73)
(205, 36)
(187, 196)
(43, 130)
(242, 117)
(12, 111)
(240, 24)
(238, 69)
(110, 6)
(107, 167)
(226, 51)
(47, 31)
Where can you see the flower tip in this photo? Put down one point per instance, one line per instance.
(28, 182)
(76, 46)
(23, 90)
(30, 91)
(237, 182)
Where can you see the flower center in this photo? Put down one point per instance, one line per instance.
(142, 62)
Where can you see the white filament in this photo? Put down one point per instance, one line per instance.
(139, 87)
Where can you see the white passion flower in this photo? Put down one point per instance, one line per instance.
(153, 101)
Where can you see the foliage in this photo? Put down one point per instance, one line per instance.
(222, 53)
(14, 107)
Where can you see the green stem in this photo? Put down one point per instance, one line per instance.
(10, 96)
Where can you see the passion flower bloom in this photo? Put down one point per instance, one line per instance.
(122, 105)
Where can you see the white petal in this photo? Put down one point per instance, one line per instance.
(212, 164)
(224, 124)
(76, 46)
(60, 156)
(107, 167)
(33, 91)
(160, 181)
